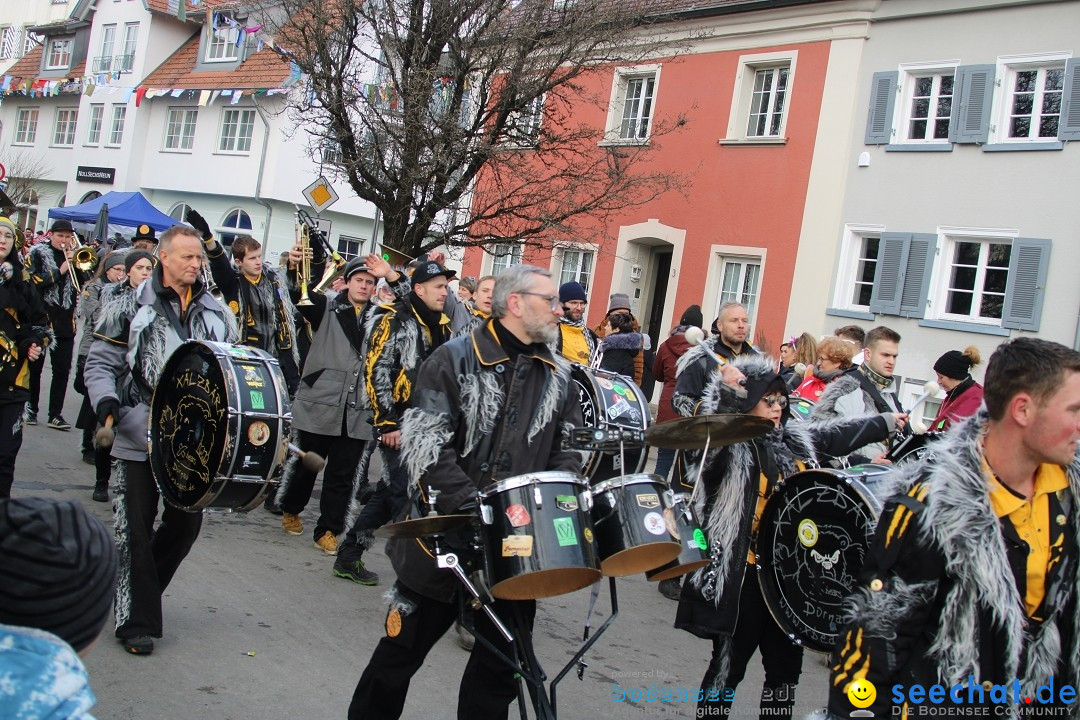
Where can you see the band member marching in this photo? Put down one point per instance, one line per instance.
(135, 335)
(485, 407)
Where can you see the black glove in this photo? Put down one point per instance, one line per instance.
(80, 378)
(195, 220)
(107, 407)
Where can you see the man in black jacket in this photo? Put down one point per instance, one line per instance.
(457, 437)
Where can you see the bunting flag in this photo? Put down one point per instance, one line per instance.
(204, 97)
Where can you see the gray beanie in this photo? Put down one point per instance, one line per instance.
(57, 568)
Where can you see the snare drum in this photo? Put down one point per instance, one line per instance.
(219, 426)
(814, 535)
(538, 535)
(611, 401)
(632, 519)
(800, 408)
(913, 447)
(684, 526)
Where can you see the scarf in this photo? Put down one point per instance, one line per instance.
(877, 378)
(431, 318)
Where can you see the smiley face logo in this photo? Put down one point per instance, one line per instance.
(861, 693)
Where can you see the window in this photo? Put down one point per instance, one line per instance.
(103, 62)
(577, 266)
(92, 195)
(180, 128)
(977, 275)
(234, 220)
(236, 129)
(633, 96)
(349, 247)
(331, 152)
(740, 282)
(763, 84)
(64, 132)
(865, 267)
(26, 127)
(221, 44)
(768, 102)
(131, 39)
(9, 42)
(116, 134)
(929, 108)
(29, 41)
(1034, 103)
(93, 130)
(523, 126)
(503, 256)
(179, 212)
(59, 57)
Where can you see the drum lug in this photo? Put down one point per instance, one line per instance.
(537, 497)
(486, 515)
(669, 498)
(586, 500)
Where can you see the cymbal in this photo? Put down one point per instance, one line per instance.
(422, 527)
(692, 432)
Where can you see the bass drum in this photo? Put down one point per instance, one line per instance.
(219, 427)
(814, 535)
(610, 401)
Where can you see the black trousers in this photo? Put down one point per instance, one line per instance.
(781, 658)
(148, 558)
(488, 685)
(60, 352)
(11, 437)
(342, 454)
(386, 502)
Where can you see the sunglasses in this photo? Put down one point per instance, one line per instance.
(777, 399)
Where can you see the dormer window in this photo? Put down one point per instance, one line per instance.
(221, 42)
(59, 56)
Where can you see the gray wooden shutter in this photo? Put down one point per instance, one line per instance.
(888, 277)
(1069, 127)
(1028, 264)
(882, 101)
(918, 266)
(970, 120)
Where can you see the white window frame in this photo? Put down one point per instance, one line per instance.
(58, 56)
(9, 42)
(236, 139)
(184, 140)
(494, 257)
(345, 243)
(221, 48)
(1007, 67)
(107, 48)
(622, 78)
(739, 112)
(229, 233)
(850, 255)
(95, 123)
(948, 237)
(126, 60)
(179, 211)
(68, 116)
(116, 126)
(29, 41)
(26, 131)
(575, 274)
(745, 260)
(909, 74)
(522, 128)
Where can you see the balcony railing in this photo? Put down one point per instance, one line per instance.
(114, 63)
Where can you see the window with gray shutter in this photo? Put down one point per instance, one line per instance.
(972, 96)
(1069, 129)
(888, 284)
(902, 280)
(882, 100)
(918, 266)
(1027, 283)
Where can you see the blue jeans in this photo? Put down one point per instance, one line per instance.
(665, 458)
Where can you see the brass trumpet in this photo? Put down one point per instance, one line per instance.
(81, 258)
(304, 272)
(305, 228)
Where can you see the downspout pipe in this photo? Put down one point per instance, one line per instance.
(258, 178)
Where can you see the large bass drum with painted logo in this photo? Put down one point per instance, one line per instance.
(219, 427)
(813, 538)
(538, 535)
(611, 401)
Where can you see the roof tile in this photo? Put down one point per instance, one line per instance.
(264, 69)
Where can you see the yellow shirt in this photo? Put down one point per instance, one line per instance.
(1033, 524)
(762, 498)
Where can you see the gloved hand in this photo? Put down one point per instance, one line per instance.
(107, 407)
(80, 379)
(195, 220)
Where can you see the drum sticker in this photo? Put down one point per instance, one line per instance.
(699, 539)
(620, 407)
(518, 515)
(626, 392)
(251, 377)
(587, 532)
(517, 546)
(654, 523)
(669, 521)
(257, 402)
(808, 533)
(648, 500)
(605, 383)
(565, 531)
(258, 433)
(393, 623)
(568, 503)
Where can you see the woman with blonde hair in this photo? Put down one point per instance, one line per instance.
(963, 395)
(833, 360)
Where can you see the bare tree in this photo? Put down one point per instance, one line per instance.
(432, 110)
(25, 172)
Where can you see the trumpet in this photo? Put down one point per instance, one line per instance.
(307, 228)
(80, 258)
(304, 273)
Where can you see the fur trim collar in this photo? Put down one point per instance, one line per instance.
(621, 341)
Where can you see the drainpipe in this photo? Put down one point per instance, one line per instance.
(258, 178)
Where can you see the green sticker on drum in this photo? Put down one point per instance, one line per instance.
(699, 538)
(565, 532)
(257, 402)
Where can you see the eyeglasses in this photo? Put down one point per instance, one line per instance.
(778, 400)
(553, 300)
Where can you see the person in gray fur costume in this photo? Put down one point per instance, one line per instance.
(136, 333)
(972, 578)
(722, 602)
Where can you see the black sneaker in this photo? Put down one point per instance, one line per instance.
(57, 422)
(101, 493)
(29, 416)
(138, 645)
(351, 567)
(671, 589)
(88, 457)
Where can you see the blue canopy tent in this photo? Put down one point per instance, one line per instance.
(129, 209)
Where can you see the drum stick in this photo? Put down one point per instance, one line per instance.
(312, 461)
(105, 435)
(930, 389)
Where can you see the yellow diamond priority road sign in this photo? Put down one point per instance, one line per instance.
(320, 195)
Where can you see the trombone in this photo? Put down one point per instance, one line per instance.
(80, 258)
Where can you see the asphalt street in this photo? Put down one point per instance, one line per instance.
(257, 627)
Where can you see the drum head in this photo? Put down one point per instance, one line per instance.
(801, 408)
(814, 535)
(608, 399)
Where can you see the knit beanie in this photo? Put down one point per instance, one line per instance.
(692, 316)
(133, 256)
(112, 260)
(57, 569)
(6, 222)
(572, 291)
(953, 364)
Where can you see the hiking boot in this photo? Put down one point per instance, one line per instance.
(138, 645)
(57, 422)
(101, 493)
(292, 524)
(327, 542)
(29, 416)
(351, 567)
(671, 589)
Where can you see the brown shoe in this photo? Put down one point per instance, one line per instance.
(292, 524)
(327, 542)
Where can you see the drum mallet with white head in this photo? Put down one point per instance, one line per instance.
(930, 389)
(312, 461)
(696, 336)
(105, 434)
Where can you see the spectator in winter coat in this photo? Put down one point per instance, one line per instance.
(963, 395)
